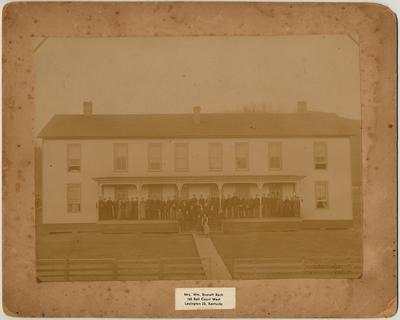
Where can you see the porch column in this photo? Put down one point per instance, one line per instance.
(219, 186)
(139, 193)
(99, 194)
(260, 209)
(179, 188)
(298, 187)
(100, 189)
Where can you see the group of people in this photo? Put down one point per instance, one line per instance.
(271, 205)
(191, 212)
(233, 207)
(118, 209)
(156, 209)
(275, 206)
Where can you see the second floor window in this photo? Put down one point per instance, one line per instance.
(242, 155)
(154, 156)
(121, 157)
(73, 198)
(320, 155)
(215, 156)
(74, 157)
(275, 155)
(181, 157)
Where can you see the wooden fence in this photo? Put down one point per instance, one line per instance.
(302, 267)
(125, 270)
(196, 268)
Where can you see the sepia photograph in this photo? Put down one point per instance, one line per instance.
(197, 157)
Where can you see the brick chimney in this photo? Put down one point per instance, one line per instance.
(196, 115)
(302, 106)
(87, 108)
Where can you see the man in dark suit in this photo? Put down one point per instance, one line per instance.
(115, 209)
(109, 209)
(149, 208)
(256, 207)
(135, 209)
(223, 207)
(101, 208)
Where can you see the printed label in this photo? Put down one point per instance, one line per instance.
(205, 298)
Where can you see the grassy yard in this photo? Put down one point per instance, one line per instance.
(120, 246)
(287, 244)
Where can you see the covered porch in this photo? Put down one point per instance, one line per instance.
(184, 198)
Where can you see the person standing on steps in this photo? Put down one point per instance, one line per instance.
(206, 228)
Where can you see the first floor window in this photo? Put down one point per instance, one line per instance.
(242, 155)
(74, 157)
(74, 197)
(121, 157)
(154, 156)
(321, 194)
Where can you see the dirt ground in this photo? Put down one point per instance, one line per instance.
(287, 244)
(120, 246)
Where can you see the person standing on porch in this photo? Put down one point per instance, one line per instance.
(135, 209)
(129, 209)
(257, 207)
(142, 209)
(124, 208)
(108, 209)
(270, 205)
(158, 208)
(174, 207)
(163, 209)
(101, 208)
(264, 206)
(180, 218)
(168, 207)
(149, 208)
(119, 209)
(228, 206)
(223, 207)
(115, 209)
(201, 201)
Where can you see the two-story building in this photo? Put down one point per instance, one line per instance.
(86, 157)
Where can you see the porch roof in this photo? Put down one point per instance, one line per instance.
(222, 179)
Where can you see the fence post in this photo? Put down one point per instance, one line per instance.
(209, 266)
(66, 270)
(115, 269)
(160, 269)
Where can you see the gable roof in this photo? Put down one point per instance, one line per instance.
(212, 125)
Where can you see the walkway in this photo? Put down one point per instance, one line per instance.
(206, 249)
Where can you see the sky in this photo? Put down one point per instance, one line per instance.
(174, 74)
